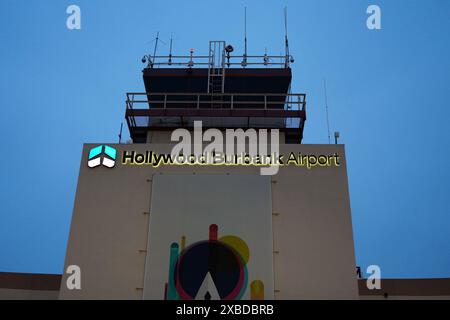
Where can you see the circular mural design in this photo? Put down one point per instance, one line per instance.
(213, 269)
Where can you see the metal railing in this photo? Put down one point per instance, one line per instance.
(229, 61)
(265, 101)
(289, 108)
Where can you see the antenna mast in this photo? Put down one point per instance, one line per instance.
(244, 58)
(120, 133)
(286, 42)
(326, 108)
(170, 49)
(245, 31)
(148, 57)
(156, 46)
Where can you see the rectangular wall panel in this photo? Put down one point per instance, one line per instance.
(210, 237)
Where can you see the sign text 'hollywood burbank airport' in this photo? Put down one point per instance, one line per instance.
(155, 160)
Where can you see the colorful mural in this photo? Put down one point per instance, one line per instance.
(213, 269)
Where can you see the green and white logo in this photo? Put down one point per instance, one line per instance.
(102, 155)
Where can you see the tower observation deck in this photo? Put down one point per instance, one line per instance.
(221, 90)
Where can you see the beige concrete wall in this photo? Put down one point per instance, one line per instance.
(312, 230)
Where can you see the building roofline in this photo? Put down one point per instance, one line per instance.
(408, 287)
(390, 287)
(30, 281)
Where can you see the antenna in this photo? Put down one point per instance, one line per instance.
(120, 133)
(326, 108)
(156, 46)
(286, 42)
(148, 57)
(170, 49)
(245, 31)
(244, 58)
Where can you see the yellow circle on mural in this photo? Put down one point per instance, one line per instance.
(237, 244)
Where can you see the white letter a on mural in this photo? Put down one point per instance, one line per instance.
(208, 286)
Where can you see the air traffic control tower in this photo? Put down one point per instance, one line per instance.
(221, 90)
(146, 227)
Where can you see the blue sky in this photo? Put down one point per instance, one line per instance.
(387, 93)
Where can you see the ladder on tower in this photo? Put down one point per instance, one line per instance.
(216, 72)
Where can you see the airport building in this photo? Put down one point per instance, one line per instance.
(147, 225)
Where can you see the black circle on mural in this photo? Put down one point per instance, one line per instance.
(220, 260)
